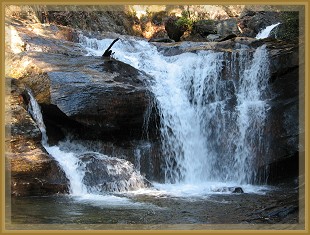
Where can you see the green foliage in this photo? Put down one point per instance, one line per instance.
(185, 21)
(186, 14)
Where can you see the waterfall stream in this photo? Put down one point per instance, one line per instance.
(90, 173)
(211, 123)
(264, 33)
(213, 107)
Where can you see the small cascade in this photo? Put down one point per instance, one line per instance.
(137, 159)
(265, 32)
(212, 105)
(35, 111)
(88, 172)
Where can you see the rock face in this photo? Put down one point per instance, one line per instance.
(33, 171)
(284, 125)
(99, 96)
(289, 30)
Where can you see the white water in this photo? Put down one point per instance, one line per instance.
(206, 139)
(197, 190)
(265, 32)
(35, 111)
(210, 128)
(69, 156)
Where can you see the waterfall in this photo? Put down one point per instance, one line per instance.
(35, 111)
(212, 105)
(89, 172)
(265, 32)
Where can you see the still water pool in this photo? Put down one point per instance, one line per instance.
(276, 206)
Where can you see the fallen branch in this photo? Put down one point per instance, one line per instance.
(108, 52)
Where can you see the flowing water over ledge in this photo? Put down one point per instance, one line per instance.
(196, 109)
(154, 207)
(211, 124)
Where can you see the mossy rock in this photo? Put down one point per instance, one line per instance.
(288, 30)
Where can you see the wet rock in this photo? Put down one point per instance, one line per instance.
(283, 127)
(228, 189)
(282, 208)
(283, 130)
(237, 190)
(283, 212)
(32, 170)
(283, 56)
(103, 173)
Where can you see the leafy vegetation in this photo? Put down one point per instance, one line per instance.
(185, 21)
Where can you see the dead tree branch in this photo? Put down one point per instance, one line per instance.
(108, 52)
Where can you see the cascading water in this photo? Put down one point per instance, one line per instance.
(265, 32)
(89, 173)
(211, 125)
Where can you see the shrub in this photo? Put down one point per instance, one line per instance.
(185, 21)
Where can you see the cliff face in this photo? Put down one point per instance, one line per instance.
(109, 100)
(33, 171)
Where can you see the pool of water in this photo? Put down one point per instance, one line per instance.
(153, 207)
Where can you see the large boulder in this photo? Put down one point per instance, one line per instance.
(174, 30)
(94, 96)
(204, 27)
(252, 22)
(103, 173)
(227, 27)
(103, 96)
(32, 170)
